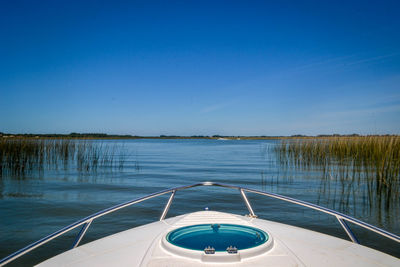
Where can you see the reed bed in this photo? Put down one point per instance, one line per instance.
(368, 165)
(21, 156)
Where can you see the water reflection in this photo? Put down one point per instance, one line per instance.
(46, 200)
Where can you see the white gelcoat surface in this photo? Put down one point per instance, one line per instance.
(289, 246)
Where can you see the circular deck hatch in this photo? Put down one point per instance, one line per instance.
(217, 236)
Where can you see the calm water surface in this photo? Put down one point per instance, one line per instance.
(41, 203)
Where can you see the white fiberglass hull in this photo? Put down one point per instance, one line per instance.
(288, 246)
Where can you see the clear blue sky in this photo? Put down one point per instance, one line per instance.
(200, 67)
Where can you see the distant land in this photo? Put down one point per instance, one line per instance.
(127, 136)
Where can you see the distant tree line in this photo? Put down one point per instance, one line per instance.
(338, 135)
(128, 136)
(71, 135)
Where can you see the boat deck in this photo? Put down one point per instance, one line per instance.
(288, 246)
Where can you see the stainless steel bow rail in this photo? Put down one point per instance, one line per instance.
(85, 222)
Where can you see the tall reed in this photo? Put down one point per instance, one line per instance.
(370, 165)
(23, 155)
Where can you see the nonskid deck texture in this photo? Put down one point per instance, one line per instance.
(287, 246)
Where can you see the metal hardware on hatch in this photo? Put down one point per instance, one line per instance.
(209, 250)
(215, 227)
(231, 250)
(258, 236)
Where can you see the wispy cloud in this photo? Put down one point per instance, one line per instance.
(335, 63)
(359, 113)
(322, 62)
(368, 118)
(372, 59)
(218, 106)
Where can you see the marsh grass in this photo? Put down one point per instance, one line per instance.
(21, 156)
(369, 165)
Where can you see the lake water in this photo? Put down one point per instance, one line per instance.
(41, 203)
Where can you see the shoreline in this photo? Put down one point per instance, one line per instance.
(215, 137)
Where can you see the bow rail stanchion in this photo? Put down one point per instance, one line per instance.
(166, 209)
(86, 222)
